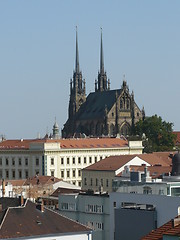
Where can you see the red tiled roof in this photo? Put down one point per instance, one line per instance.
(166, 156)
(40, 180)
(177, 140)
(113, 163)
(30, 221)
(157, 234)
(67, 143)
(168, 228)
(155, 171)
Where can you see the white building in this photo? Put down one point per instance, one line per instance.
(62, 158)
(89, 209)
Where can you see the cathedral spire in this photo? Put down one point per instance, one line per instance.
(77, 54)
(101, 56)
(102, 84)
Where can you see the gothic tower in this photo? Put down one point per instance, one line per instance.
(102, 84)
(77, 90)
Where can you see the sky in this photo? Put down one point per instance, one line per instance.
(141, 40)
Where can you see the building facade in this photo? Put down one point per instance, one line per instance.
(89, 209)
(61, 158)
(103, 112)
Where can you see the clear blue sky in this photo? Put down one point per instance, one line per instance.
(37, 54)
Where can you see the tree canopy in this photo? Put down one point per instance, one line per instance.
(156, 134)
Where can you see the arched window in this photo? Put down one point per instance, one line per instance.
(121, 104)
(112, 130)
(124, 130)
(128, 105)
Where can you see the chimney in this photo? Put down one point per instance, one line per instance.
(42, 206)
(22, 200)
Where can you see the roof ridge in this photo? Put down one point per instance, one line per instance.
(8, 211)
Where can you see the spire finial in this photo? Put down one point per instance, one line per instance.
(77, 54)
(101, 56)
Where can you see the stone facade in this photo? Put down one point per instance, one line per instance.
(103, 112)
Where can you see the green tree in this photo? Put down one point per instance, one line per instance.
(156, 134)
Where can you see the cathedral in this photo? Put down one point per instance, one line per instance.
(103, 112)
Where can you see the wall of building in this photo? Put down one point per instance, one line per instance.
(133, 223)
(90, 210)
(166, 206)
(50, 159)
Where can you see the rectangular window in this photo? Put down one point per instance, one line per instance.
(1, 161)
(101, 158)
(26, 161)
(101, 182)
(7, 174)
(91, 181)
(73, 160)
(13, 161)
(90, 160)
(79, 183)
(107, 183)
(26, 174)
(84, 159)
(62, 173)
(7, 162)
(1, 174)
(85, 181)
(79, 173)
(68, 174)
(52, 173)
(13, 174)
(37, 161)
(95, 159)
(79, 160)
(52, 161)
(74, 173)
(20, 162)
(20, 174)
(62, 161)
(96, 182)
(67, 160)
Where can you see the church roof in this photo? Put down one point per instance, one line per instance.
(95, 104)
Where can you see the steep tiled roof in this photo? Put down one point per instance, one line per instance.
(64, 190)
(80, 143)
(155, 171)
(177, 133)
(171, 228)
(153, 159)
(41, 180)
(16, 144)
(157, 234)
(93, 143)
(166, 156)
(30, 221)
(113, 163)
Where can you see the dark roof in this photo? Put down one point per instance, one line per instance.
(95, 104)
(30, 221)
(64, 190)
